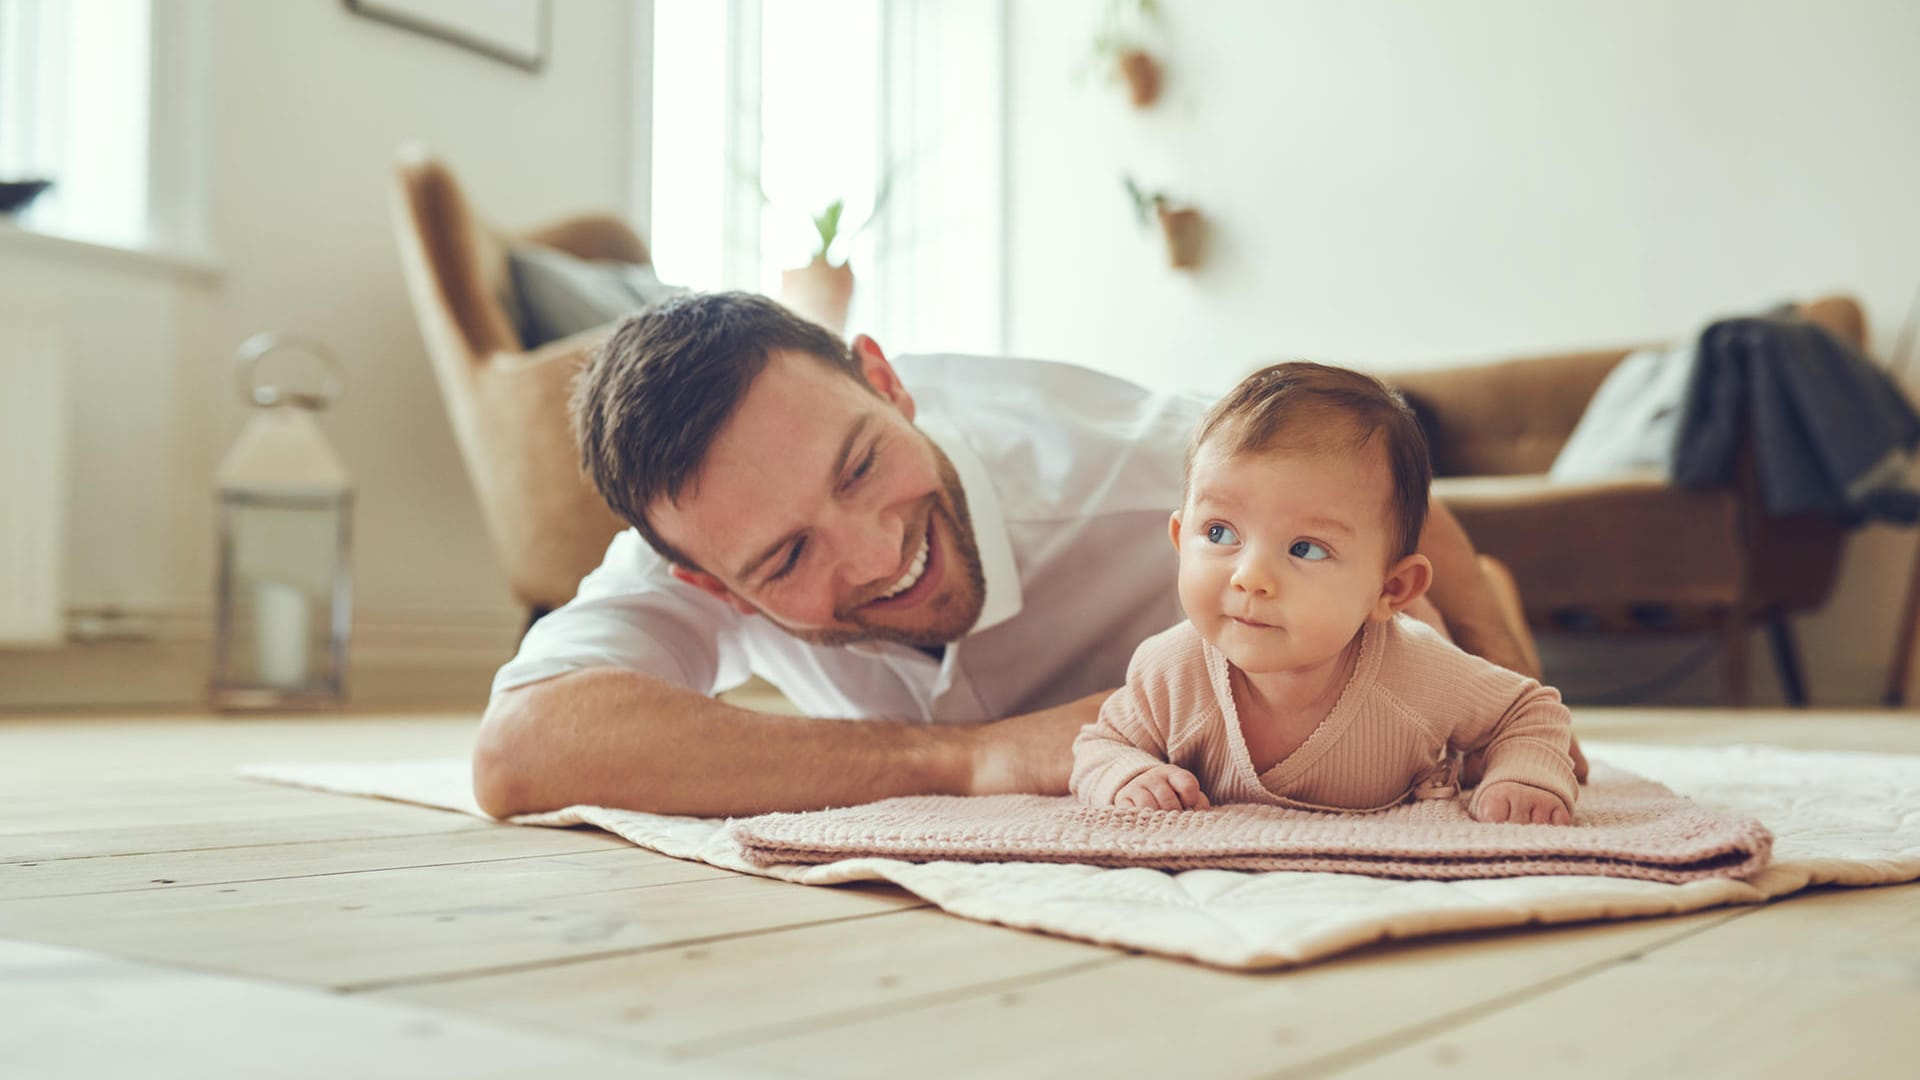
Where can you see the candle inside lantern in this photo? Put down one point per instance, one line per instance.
(281, 630)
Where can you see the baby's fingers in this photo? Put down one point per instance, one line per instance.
(1492, 806)
(1189, 791)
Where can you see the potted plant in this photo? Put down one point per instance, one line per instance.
(1119, 47)
(1182, 226)
(823, 289)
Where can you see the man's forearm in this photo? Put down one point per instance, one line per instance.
(608, 737)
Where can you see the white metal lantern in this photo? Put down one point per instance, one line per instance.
(284, 593)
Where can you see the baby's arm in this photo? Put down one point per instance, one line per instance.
(1529, 770)
(1125, 750)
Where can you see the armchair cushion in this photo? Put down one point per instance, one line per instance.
(555, 295)
(1628, 540)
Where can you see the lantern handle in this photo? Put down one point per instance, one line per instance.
(246, 362)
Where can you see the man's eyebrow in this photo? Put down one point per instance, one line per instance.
(839, 469)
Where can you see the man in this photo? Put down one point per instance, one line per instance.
(946, 566)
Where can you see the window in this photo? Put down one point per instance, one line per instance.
(76, 81)
(766, 113)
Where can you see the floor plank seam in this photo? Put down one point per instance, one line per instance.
(157, 884)
(748, 1037)
(28, 860)
(1400, 1038)
(376, 986)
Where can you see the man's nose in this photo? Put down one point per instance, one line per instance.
(869, 545)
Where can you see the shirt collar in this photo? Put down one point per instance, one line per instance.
(1003, 599)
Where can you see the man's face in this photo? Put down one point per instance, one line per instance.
(823, 508)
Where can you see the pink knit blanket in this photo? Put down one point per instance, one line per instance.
(1625, 826)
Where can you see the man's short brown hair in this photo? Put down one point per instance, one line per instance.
(1288, 406)
(653, 396)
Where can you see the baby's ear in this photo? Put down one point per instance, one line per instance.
(1173, 530)
(1407, 581)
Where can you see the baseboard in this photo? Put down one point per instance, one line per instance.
(1684, 670)
(120, 659)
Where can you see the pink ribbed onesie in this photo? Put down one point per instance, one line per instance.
(1413, 699)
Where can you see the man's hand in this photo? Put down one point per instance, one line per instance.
(1521, 804)
(1163, 787)
(1031, 754)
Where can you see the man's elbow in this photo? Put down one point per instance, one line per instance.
(502, 773)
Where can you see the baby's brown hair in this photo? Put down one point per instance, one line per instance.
(1286, 406)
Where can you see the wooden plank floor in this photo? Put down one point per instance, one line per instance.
(159, 916)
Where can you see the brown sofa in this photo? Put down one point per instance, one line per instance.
(1632, 555)
(508, 406)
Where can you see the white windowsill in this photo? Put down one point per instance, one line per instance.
(199, 269)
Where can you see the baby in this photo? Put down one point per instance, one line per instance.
(1296, 681)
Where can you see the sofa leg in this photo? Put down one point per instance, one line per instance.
(1733, 660)
(1786, 660)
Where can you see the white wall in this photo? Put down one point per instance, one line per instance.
(300, 109)
(1397, 183)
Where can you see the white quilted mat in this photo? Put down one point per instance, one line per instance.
(1838, 818)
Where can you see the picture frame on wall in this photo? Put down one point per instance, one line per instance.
(513, 31)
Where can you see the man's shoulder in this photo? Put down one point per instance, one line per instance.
(1059, 441)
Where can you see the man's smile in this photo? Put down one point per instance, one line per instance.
(918, 577)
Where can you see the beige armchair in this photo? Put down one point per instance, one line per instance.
(1630, 555)
(508, 406)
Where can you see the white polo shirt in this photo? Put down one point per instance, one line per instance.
(1069, 475)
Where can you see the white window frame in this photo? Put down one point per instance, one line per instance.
(931, 275)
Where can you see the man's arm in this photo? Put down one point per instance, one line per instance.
(1467, 601)
(1465, 597)
(612, 737)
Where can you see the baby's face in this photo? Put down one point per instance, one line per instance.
(1283, 554)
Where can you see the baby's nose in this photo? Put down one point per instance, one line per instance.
(1250, 576)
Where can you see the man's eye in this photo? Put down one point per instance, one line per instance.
(1221, 534)
(793, 559)
(861, 470)
(1308, 550)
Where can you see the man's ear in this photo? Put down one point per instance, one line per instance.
(711, 585)
(880, 374)
(1407, 581)
(1173, 529)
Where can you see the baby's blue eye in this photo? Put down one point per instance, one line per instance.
(1308, 550)
(1221, 534)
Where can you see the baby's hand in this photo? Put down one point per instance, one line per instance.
(1521, 804)
(1163, 787)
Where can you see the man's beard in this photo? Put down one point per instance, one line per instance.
(945, 624)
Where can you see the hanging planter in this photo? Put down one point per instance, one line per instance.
(1182, 226)
(1120, 50)
(1142, 73)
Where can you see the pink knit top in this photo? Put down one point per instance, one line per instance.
(1414, 699)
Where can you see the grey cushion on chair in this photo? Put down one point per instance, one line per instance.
(556, 295)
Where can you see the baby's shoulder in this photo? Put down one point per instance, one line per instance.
(1177, 650)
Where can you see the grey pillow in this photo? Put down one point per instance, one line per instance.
(556, 295)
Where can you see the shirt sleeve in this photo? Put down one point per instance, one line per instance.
(631, 613)
(1525, 730)
(1128, 738)
(1475, 705)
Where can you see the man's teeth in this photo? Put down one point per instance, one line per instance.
(912, 575)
